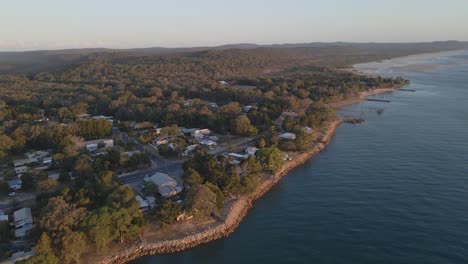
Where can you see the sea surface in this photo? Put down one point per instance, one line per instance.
(391, 190)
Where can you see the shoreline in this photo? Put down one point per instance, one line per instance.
(240, 206)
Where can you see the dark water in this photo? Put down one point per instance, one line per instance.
(392, 190)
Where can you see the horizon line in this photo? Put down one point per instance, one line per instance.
(224, 45)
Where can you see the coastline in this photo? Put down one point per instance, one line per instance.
(239, 208)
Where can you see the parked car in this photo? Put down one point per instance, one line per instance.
(12, 194)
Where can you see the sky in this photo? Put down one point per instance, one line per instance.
(59, 24)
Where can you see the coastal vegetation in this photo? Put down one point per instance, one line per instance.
(255, 93)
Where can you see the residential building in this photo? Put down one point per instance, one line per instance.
(167, 186)
(22, 221)
(22, 162)
(200, 133)
(239, 156)
(288, 136)
(47, 161)
(15, 184)
(3, 216)
(144, 205)
(251, 151)
(93, 145)
(20, 170)
(189, 149)
(207, 142)
(307, 130)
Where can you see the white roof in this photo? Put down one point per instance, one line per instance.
(143, 203)
(288, 135)
(21, 162)
(239, 156)
(192, 147)
(162, 179)
(22, 216)
(167, 186)
(204, 131)
(207, 142)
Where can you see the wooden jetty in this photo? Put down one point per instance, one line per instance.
(406, 90)
(378, 100)
(351, 120)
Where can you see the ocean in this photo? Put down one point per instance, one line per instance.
(391, 190)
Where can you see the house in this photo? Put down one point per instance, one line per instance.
(22, 221)
(83, 116)
(200, 133)
(93, 145)
(251, 151)
(214, 105)
(22, 162)
(3, 216)
(47, 162)
(101, 117)
(279, 121)
(247, 108)
(307, 130)
(21, 170)
(167, 186)
(15, 184)
(189, 149)
(288, 136)
(151, 201)
(37, 154)
(144, 205)
(207, 142)
(239, 156)
(161, 141)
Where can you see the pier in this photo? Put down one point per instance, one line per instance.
(378, 100)
(406, 90)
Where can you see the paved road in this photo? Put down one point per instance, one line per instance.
(20, 198)
(171, 167)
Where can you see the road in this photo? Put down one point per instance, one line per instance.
(171, 167)
(18, 200)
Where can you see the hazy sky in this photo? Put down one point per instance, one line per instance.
(56, 24)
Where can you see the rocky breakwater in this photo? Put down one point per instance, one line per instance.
(236, 212)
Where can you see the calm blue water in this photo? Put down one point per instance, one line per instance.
(392, 190)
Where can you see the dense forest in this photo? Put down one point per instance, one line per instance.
(233, 91)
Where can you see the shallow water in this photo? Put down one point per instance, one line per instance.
(391, 190)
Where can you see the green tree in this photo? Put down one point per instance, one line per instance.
(271, 158)
(219, 195)
(168, 212)
(126, 223)
(192, 177)
(44, 252)
(200, 200)
(59, 216)
(241, 126)
(73, 247)
(99, 228)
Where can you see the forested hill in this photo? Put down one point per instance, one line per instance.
(337, 54)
